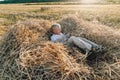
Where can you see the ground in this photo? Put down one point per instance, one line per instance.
(104, 14)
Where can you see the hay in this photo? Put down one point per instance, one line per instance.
(103, 35)
(24, 34)
(26, 53)
(98, 33)
(54, 57)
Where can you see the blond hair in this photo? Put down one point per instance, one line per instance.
(56, 25)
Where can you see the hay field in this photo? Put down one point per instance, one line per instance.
(92, 10)
(105, 14)
(27, 54)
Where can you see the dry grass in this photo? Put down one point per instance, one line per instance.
(54, 58)
(98, 33)
(26, 53)
(101, 34)
(25, 33)
(25, 47)
(105, 14)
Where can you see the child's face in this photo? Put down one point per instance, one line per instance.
(56, 30)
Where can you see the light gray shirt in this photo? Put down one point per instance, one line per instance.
(61, 38)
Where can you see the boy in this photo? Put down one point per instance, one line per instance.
(82, 43)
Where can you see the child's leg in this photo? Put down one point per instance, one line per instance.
(80, 43)
(90, 42)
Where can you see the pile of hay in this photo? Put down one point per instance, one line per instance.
(24, 34)
(54, 58)
(106, 66)
(26, 53)
(98, 33)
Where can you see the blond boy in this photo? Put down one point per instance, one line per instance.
(84, 44)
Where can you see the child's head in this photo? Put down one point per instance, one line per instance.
(56, 28)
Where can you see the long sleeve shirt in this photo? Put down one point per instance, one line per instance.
(61, 38)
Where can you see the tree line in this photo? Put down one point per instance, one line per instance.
(31, 1)
(28, 1)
